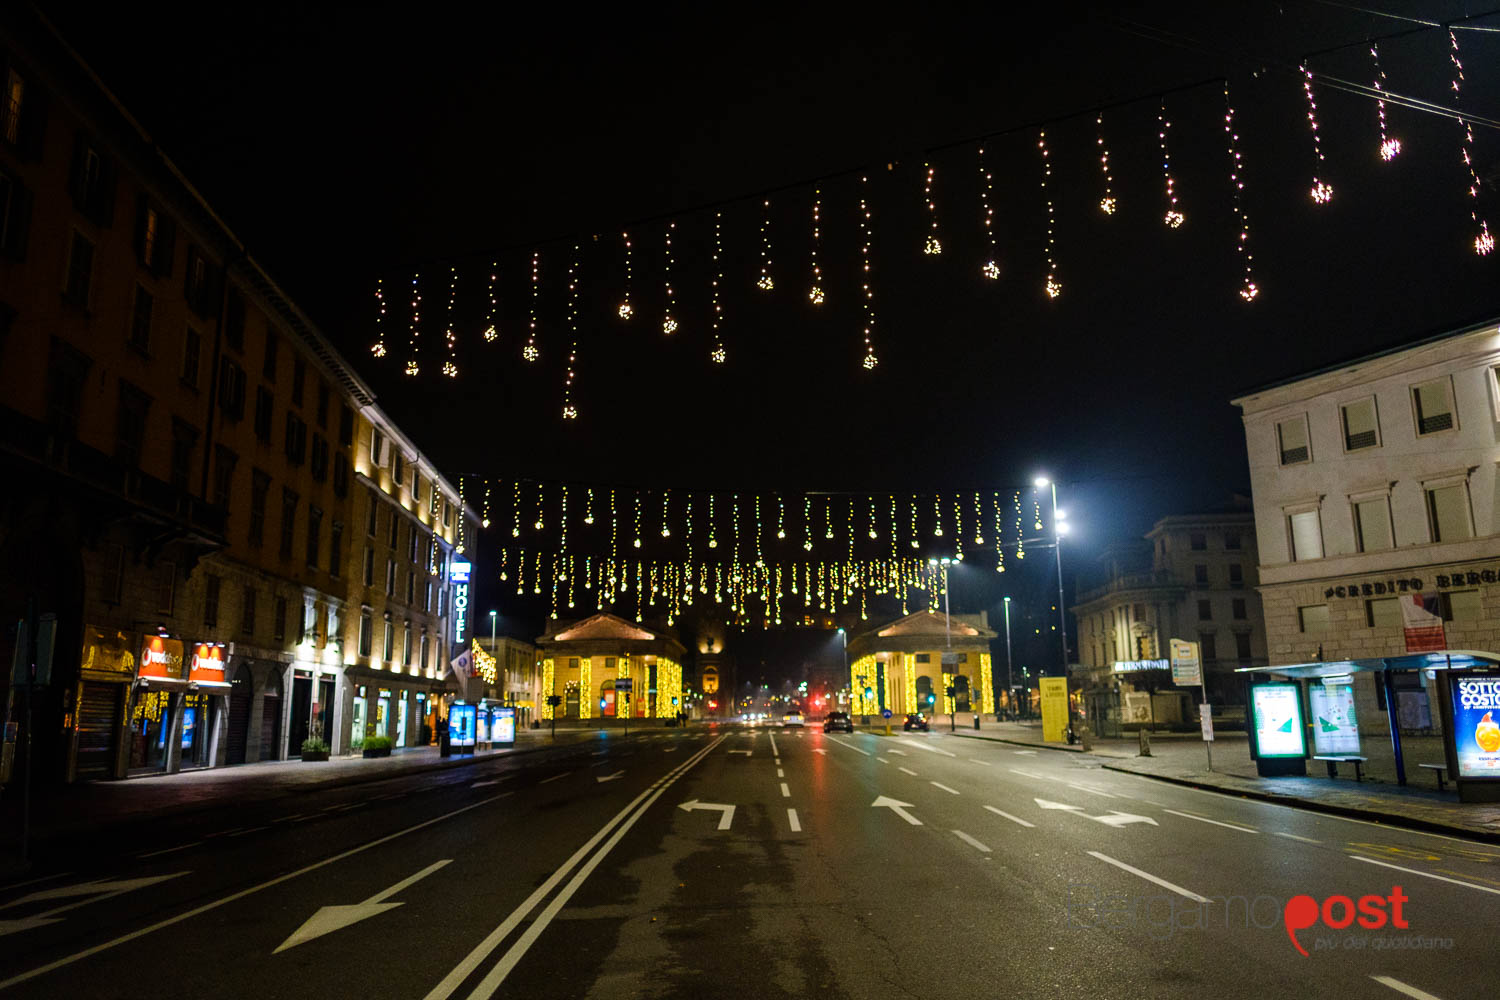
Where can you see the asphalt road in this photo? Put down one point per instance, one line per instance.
(851, 865)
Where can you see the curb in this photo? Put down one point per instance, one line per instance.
(1021, 743)
(1332, 809)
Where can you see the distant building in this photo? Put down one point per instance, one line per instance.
(516, 680)
(1196, 582)
(1375, 487)
(605, 667)
(909, 664)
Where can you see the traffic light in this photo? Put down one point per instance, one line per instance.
(932, 699)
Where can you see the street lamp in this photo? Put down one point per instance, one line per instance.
(1010, 680)
(1059, 528)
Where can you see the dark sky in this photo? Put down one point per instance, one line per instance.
(346, 144)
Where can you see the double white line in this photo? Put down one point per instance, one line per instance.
(614, 830)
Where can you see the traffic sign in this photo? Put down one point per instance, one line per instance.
(554, 700)
(885, 712)
(622, 683)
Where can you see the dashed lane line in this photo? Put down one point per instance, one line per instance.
(168, 850)
(555, 777)
(786, 792)
(1293, 836)
(793, 821)
(849, 746)
(971, 841)
(1416, 871)
(986, 763)
(1013, 819)
(907, 770)
(939, 784)
(1205, 819)
(1149, 877)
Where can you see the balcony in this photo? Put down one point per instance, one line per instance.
(1155, 580)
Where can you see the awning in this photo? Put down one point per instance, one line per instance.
(1446, 659)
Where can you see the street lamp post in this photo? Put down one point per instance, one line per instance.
(1010, 680)
(1059, 528)
(945, 562)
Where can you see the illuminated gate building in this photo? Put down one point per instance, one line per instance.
(584, 662)
(909, 664)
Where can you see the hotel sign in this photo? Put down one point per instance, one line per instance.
(458, 575)
(1411, 585)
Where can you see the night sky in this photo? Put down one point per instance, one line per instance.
(344, 145)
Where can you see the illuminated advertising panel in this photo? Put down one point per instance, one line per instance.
(1476, 724)
(1335, 729)
(458, 575)
(503, 726)
(1276, 711)
(161, 657)
(208, 665)
(461, 723)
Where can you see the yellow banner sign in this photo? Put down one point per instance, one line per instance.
(1054, 709)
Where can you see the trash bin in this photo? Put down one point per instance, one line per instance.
(445, 748)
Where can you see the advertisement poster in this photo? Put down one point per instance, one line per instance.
(1277, 718)
(461, 722)
(1335, 730)
(1187, 668)
(1476, 724)
(1054, 709)
(1138, 706)
(503, 727)
(482, 726)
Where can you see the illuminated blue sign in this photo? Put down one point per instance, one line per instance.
(458, 575)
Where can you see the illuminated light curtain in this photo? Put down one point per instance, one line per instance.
(1321, 191)
(947, 698)
(586, 692)
(548, 688)
(415, 332)
(986, 685)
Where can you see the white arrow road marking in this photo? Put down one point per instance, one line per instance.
(95, 891)
(971, 841)
(1384, 864)
(1401, 987)
(492, 781)
(727, 811)
(791, 817)
(1149, 877)
(1013, 819)
(851, 746)
(333, 918)
(745, 752)
(1122, 819)
(932, 749)
(1205, 819)
(898, 753)
(820, 750)
(899, 808)
(602, 778)
(950, 791)
(984, 762)
(1025, 753)
(1058, 805)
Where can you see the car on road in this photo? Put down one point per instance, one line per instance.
(838, 722)
(791, 719)
(915, 720)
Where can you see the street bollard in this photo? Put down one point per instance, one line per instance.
(1087, 738)
(1145, 743)
(976, 721)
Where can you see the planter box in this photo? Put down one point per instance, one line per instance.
(313, 755)
(383, 752)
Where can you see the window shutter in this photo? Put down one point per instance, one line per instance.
(104, 202)
(33, 124)
(77, 171)
(142, 206)
(19, 225)
(166, 242)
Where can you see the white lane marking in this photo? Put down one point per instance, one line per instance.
(850, 746)
(555, 777)
(1013, 819)
(283, 819)
(907, 770)
(1149, 877)
(1025, 753)
(502, 968)
(791, 817)
(786, 792)
(93, 892)
(492, 781)
(976, 760)
(598, 753)
(882, 760)
(1048, 804)
(971, 841)
(897, 807)
(600, 779)
(669, 750)
(774, 751)
(168, 850)
(1030, 774)
(1293, 836)
(1205, 819)
(234, 830)
(253, 829)
(332, 918)
(1415, 871)
(44, 878)
(938, 784)
(1094, 791)
(780, 772)
(747, 753)
(726, 811)
(931, 749)
(898, 753)
(1401, 987)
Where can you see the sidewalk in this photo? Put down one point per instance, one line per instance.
(1180, 759)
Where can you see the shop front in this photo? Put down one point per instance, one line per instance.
(179, 705)
(310, 713)
(107, 669)
(394, 706)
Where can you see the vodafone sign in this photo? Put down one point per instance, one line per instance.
(161, 657)
(208, 665)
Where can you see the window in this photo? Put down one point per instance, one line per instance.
(112, 573)
(224, 463)
(15, 216)
(1383, 612)
(427, 599)
(1236, 576)
(314, 533)
(1205, 610)
(1432, 404)
(322, 410)
(211, 600)
(1197, 541)
(296, 439)
(184, 438)
(1292, 437)
(92, 182)
(416, 487)
(140, 321)
(336, 549)
(192, 357)
(247, 612)
(234, 319)
(413, 541)
(166, 587)
(369, 576)
(398, 466)
(395, 529)
(377, 448)
(411, 589)
(265, 405)
(10, 110)
(278, 620)
(231, 389)
(1208, 646)
(268, 365)
(80, 274)
(426, 650)
(448, 514)
(1242, 646)
(346, 426)
(1232, 540)
(341, 477)
(155, 234)
(390, 578)
(1448, 512)
(1200, 575)
(130, 425)
(319, 464)
(1306, 535)
(370, 523)
(260, 485)
(1312, 619)
(387, 646)
(1361, 430)
(299, 380)
(288, 521)
(443, 598)
(1372, 524)
(1461, 606)
(1237, 609)
(364, 631)
(406, 644)
(201, 285)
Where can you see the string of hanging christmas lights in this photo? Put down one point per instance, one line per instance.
(1248, 289)
(1483, 241)
(1173, 217)
(625, 309)
(1390, 146)
(1053, 286)
(669, 322)
(870, 360)
(932, 245)
(450, 366)
(717, 355)
(1107, 203)
(765, 282)
(815, 292)
(991, 267)
(569, 410)
(412, 368)
(1322, 192)
(378, 348)
(530, 352)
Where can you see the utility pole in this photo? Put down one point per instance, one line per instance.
(1010, 681)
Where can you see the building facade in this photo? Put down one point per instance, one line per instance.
(1375, 483)
(188, 439)
(1200, 587)
(514, 678)
(604, 667)
(910, 664)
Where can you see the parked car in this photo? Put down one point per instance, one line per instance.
(838, 722)
(916, 720)
(791, 719)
